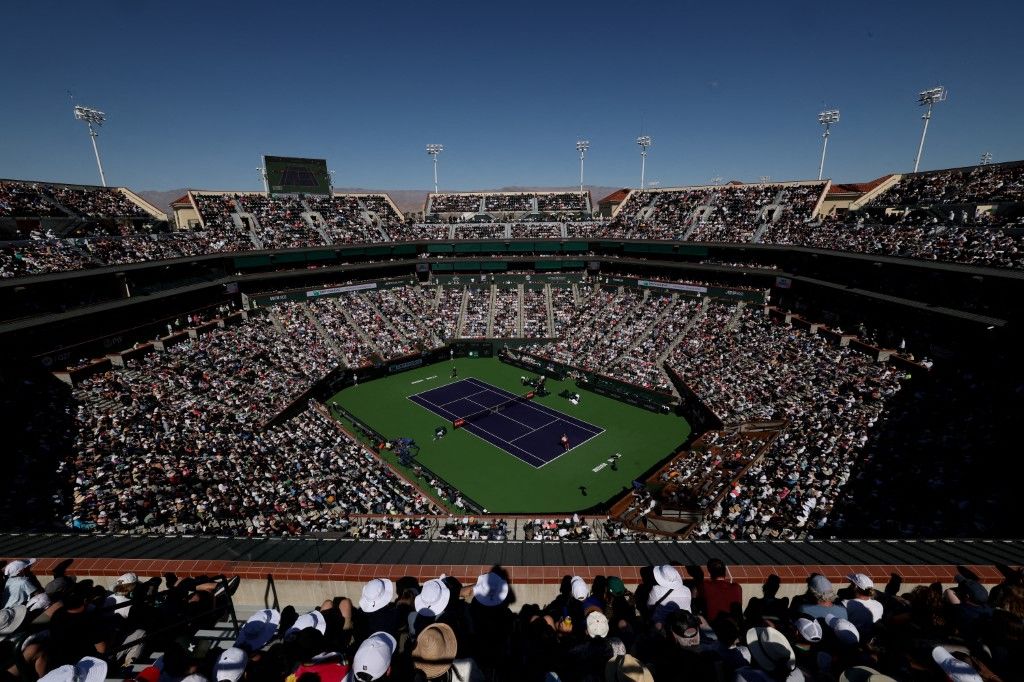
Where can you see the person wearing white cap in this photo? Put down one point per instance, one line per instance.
(230, 666)
(668, 593)
(770, 650)
(88, 669)
(579, 588)
(863, 610)
(845, 631)
(490, 589)
(373, 658)
(21, 584)
(378, 611)
(258, 630)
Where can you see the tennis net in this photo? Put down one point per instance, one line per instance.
(494, 409)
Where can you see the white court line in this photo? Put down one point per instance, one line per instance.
(466, 429)
(436, 387)
(555, 421)
(418, 381)
(549, 411)
(467, 397)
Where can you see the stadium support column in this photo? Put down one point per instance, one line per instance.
(645, 143)
(93, 117)
(928, 99)
(582, 146)
(826, 118)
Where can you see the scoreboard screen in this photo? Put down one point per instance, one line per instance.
(289, 175)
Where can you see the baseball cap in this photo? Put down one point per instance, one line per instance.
(579, 588)
(373, 658)
(846, 632)
(810, 630)
(685, 628)
(861, 581)
(17, 566)
(822, 586)
(230, 665)
(126, 579)
(955, 669)
(597, 624)
(616, 586)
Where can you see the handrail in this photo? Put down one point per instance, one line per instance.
(270, 589)
(230, 606)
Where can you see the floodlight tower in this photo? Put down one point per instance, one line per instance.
(93, 118)
(986, 159)
(826, 118)
(434, 150)
(263, 176)
(582, 146)
(645, 143)
(928, 98)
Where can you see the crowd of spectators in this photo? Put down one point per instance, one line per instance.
(562, 202)
(95, 202)
(449, 310)
(572, 527)
(701, 475)
(751, 369)
(26, 199)
(480, 231)
(476, 314)
(677, 623)
(536, 230)
(506, 314)
(455, 203)
(410, 315)
(174, 443)
(280, 223)
(340, 333)
(535, 314)
(508, 203)
(343, 219)
(994, 183)
(380, 329)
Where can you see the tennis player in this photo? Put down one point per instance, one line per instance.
(565, 442)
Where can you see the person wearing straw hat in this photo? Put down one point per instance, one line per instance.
(434, 656)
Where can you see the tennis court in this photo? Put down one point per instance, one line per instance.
(527, 430)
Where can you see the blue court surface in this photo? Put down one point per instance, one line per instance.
(526, 430)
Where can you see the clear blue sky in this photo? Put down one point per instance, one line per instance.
(196, 92)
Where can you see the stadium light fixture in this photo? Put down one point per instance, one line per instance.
(766, 179)
(827, 119)
(986, 159)
(434, 150)
(93, 118)
(645, 143)
(717, 180)
(582, 146)
(928, 98)
(654, 184)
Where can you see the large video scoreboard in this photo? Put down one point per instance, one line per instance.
(289, 175)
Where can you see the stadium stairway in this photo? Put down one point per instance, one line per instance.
(734, 320)
(385, 320)
(699, 315)
(551, 308)
(357, 328)
(643, 335)
(520, 296)
(460, 324)
(323, 332)
(491, 292)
